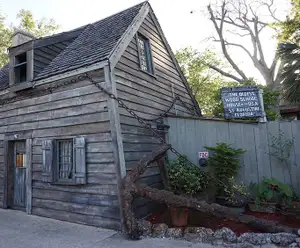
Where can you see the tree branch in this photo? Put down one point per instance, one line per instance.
(272, 12)
(259, 46)
(224, 49)
(226, 74)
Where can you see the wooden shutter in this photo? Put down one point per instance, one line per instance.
(80, 164)
(47, 170)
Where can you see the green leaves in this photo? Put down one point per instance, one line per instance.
(38, 28)
(205, 83)
(271, 189)
(224, 164)
(185, 178)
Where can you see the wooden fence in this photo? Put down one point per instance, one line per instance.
(190, 136)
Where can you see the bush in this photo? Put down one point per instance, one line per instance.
(185, 178)
(224, 164)
(272, 190)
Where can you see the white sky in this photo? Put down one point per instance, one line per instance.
(180, 27)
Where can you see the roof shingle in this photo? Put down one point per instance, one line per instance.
(94, 44)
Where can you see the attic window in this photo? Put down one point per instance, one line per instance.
(145, 57)
(20, 68)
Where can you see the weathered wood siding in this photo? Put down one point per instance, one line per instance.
(148, 96)
(1, 171)
(77, 109)
(190, 136)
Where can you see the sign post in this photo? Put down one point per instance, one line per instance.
(243, 102)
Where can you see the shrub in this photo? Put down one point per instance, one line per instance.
(271, 189)
(185, 178)
(224, 164)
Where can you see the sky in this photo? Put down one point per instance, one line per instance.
(181, 28)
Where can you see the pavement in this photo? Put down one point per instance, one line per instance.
(19, 230)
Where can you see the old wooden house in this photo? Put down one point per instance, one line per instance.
(64, 143)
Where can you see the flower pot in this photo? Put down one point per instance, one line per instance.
(179, 216)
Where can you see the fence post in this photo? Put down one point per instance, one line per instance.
(262, 119)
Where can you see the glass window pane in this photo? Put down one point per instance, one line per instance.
(145, 54)
(65, 159)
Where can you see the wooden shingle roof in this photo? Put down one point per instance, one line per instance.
(90, 44)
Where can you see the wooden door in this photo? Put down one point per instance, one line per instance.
(19, 195)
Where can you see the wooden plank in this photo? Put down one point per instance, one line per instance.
(29, 176)
(78, 89)
(89, 128)
(107, 212)
(57, 113)
(276, 166)
(235, 140)
(86, 199)
(90, 138)
(91, 167)
(99, 178)
(46, 106)
(251, 173)
(89, 189)
(78, 218)
(296, 166)
(61, 122)
(140, 76)
(95, 147)
(152, 93)
(264, 167)
(91, 158)
(289, 165)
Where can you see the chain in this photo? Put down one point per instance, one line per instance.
(156, 134)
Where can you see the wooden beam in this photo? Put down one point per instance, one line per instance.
(116, 133)
(128, 35)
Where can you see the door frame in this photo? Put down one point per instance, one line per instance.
(9, 139)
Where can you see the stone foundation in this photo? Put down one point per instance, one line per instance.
(223, 237)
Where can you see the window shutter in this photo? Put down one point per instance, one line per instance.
(47, 171)
(80, 164)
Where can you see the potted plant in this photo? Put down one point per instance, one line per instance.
(271, 195)
(236, 198)
(184, 179)
(224, 164)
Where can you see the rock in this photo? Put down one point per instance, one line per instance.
(283, 239)
(255, 238)
(159, 230)
(145, 227)
(293, 245)
(199, 234)
(226, 234)
(191, 237)
(297, 241)
(174, 232)
(241, 245)
(298, 232)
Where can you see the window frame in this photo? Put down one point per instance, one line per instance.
(148, 54)
(57, 179)
(18, 66)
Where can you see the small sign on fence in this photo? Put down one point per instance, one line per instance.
(203, 154)
(242, 102)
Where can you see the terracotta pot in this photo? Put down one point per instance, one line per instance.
(179, 216)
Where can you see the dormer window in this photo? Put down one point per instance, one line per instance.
(20, 68)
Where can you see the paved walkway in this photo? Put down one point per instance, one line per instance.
(18, 230)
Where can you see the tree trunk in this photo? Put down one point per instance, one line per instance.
(131, 189)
